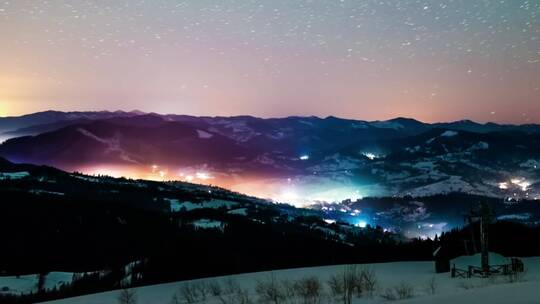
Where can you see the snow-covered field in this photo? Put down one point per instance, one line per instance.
(29, 283)
(13, 175)
(419, 275)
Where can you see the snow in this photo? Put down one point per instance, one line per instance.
(496, 294)
(241, 132)
(208, 224)
(531, 164)
(387, 125)
(521, 216)
(308, 123)
(113, 145)
(479, 146)
(335, 162)
(463, 262)
(452, 184)
(175, 204)
(241, 211)
(449, 133)
(28, 283)
(204, 135)
(39, 192)
(418, 274)
(189, 206)
(13, 175)
(428, 166)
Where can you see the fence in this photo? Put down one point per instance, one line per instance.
(515, 266)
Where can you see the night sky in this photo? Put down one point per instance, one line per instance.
(431, 60)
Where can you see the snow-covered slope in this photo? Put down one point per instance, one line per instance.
(389, 275)
(29, 283)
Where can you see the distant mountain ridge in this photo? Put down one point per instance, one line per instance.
(34, 120)
(46, 121)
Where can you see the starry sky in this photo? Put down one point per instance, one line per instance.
(436, 60)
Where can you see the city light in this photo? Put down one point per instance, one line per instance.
(370, 155)
(362, 224)
(522, 183)
(203, 175)
(304, 157)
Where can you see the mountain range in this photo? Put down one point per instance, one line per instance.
(294, 159)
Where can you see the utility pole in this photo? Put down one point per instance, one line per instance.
(485, 220)
(483, 215)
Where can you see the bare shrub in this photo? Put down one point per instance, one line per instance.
(289, 291)
(230, 286)
(335, 284)
(350, 283)
(309, 290)
(188, 293)
(175, 299)
(270, 291)
(345, 284)
(431, 286)
(215, 288)
(201, 290)
(232, 293)
(242, 297)
(388, 294)
(400, 292)
(404, 291)
(127, 296)
(367, 282)
(353, 281)
(516, 277)
(228, 293)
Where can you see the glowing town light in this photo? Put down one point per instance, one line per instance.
(369, 155)
(304, 157)
(516, 181)
(328, 221)
(355, 212)
(203, 175)
(503, 186)
(289, 196)
(362, 224)
(189, 178)
(162, 174)
(521, 183)
(524, 185)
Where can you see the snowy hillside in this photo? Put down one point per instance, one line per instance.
(427, 287)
